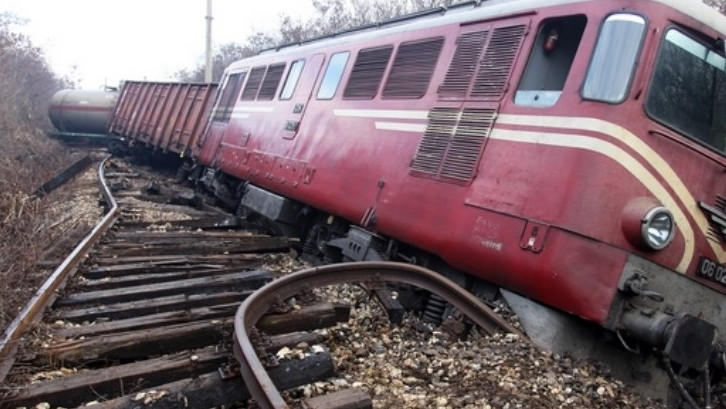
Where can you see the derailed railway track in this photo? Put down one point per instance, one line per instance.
(131, 310)
(137, 315)
(373, 274)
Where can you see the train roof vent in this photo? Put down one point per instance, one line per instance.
(253, 83)
(493, 76)
(463, 65)
(271, 81)
(452, 144)
(413, 68)
(367, 73)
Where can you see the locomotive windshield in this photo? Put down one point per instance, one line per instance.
(613, 61)
(688, 89)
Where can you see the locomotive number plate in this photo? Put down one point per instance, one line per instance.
(711, 270)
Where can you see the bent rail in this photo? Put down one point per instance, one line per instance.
(44, 295)
(259, 383)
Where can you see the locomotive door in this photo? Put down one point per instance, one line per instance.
(214, 135)
(302, 95)
(468, 100)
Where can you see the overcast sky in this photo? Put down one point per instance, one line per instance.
(99, 42)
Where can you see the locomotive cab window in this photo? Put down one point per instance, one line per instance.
(293, 76)
(688, 88)
(225, 103)
(613, 61)
(333, 74)
(550, 61)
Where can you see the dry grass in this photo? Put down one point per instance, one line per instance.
(27, 159)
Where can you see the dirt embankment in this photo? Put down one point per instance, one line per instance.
(28, 225)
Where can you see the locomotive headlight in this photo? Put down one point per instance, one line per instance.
(658, 228)
(647, 224)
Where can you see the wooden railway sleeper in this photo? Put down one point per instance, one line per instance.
(46, 293)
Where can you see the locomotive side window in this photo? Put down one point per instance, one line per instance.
(367, 73)
(333, 74)
(292, 78)
(688, 89)
(268, 89)
(225, 104)
(253, 84)
(550, 61)
(613, 61)
(413, 68)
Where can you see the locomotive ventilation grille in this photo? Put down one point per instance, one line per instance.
(412, 69)
(410, 74)
(488, 66)
(452, 143)
(253, 84)
(269, 85)
(367, 73)
(461, 71)
(496, 65)
(717, 218)
(480, 69)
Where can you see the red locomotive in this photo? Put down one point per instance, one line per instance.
(569, 151)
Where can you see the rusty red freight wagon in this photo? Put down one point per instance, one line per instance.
(169, 116)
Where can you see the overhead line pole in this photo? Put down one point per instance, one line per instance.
(208, 66)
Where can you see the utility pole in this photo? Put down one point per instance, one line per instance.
(208, 66)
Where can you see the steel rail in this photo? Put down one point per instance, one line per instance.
(256, 379)
(44, 296)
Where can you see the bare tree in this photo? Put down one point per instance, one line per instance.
(331, 16)
(719, 5)
(338, 15)
(25, 78)
(27, 84)
(27, 159)
(227, 54)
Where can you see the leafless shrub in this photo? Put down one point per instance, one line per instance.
(27, 159)
(331, 16)
(719, 5)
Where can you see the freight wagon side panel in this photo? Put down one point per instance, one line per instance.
(166, 116)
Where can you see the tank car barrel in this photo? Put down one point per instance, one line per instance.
(74, 111)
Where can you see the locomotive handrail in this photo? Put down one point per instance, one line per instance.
(44, 296)
(256, 379)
